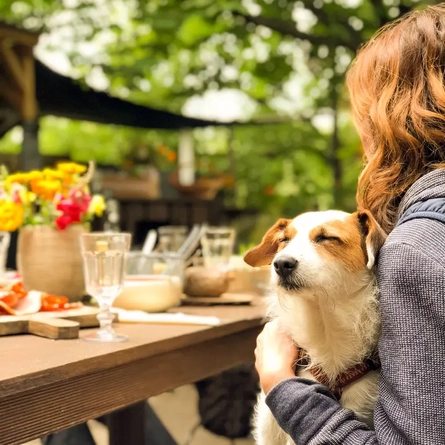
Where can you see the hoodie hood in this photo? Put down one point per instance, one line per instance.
(430, 186)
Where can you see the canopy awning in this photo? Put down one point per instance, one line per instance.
(62, 96)
(58, 95)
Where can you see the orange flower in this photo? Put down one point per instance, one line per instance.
(171, 156)
(269, 190)
(46, 188)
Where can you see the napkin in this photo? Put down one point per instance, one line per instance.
(126, 316)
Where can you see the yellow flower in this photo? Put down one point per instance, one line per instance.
(97, 205)
(46, 188)
(20, 178)
(71, 167)
(26, 197)
(11, 216)
(34, 175)
(50, 173)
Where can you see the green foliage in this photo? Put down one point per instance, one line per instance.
(288, 57)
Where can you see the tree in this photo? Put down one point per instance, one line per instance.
(287, 57)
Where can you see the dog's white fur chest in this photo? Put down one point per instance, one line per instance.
(299, 318)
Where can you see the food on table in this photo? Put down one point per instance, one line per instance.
(29, 304)
(52, 303)
(15, 300)
(206, 282)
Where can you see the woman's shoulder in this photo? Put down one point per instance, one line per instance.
(420, 237)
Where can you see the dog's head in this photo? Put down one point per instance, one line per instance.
(319, 250)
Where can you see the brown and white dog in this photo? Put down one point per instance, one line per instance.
(325, 298)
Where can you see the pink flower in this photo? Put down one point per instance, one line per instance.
(72, 209)
(82, 198)
(63, 221)
(16, 196)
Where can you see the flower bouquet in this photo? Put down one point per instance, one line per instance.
(50, 208)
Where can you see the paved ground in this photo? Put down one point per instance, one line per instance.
(178, 411)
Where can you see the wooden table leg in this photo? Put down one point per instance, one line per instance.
(126, 426)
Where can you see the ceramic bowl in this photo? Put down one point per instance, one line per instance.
(153, 282)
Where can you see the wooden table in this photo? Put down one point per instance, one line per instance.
(46, 385)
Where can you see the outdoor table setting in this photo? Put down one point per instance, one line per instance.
(126, 321)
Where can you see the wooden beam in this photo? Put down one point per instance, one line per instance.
(18, 35)
(11, 93)
(12, 64)
(30, 157)
(29, 104)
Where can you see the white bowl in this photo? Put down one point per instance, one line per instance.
(150, 293)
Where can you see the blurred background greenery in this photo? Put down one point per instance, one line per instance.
(281, 62)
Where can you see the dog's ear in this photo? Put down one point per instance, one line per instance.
(373, 236)
(264, 253)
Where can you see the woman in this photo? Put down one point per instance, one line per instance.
(397, 89)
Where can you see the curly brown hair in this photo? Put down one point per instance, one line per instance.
(397, 92)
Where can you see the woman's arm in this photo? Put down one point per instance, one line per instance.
(411, 404)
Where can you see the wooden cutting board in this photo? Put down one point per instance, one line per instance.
(224, 299)
(54, 325)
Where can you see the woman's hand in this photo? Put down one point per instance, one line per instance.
(275, 356)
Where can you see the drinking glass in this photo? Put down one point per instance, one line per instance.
(171, 238)
(5, 239)
(104, 256)
(217, 247)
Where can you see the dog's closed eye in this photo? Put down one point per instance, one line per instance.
(323, 237)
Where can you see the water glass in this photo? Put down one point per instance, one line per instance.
(104, 260)
(217, 247)
(171, 238)
(5, 239)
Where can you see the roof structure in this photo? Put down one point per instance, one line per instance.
(17, 77)
(29, 89)
(62, 96)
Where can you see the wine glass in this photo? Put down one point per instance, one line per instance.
(104, 269)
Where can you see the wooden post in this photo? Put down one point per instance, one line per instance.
(18, 87)
(30, 156)
(232, 162)
(186, 158)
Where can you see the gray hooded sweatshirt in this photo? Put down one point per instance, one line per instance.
(411, 404)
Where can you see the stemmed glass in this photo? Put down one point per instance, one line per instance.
(104, 269)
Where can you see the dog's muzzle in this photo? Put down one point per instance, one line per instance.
(284, 266)
(288, 276)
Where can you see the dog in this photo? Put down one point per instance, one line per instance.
(324, 295)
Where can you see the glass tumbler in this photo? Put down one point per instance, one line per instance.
(217, 247)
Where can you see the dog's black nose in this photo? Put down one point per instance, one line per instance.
(285, 265)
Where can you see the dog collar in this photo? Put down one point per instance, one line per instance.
(345, 378)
